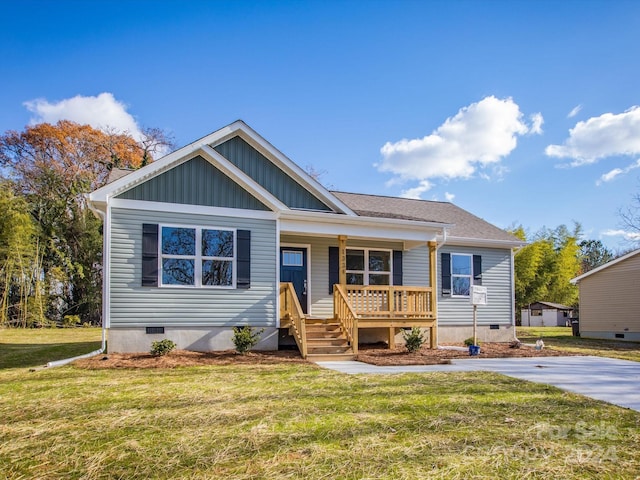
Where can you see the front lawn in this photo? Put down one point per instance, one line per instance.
(560, 338)
(296, 420)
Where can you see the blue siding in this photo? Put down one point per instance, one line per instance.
(194, 182)
(269, 176)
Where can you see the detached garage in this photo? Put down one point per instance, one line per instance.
(610, 299)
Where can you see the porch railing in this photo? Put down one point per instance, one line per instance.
(386, 302)
(290, 309)
(345, 314)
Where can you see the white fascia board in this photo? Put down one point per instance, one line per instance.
(606, 265)
(311, 223)
(241, 178)
(181, 208)
(484, 242)
(290, 168)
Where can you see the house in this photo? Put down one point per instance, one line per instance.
(609, 300)
(228, 231)
(546, 314)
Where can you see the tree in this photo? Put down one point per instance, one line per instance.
(593, 254)
(630, 217)
(52, 167)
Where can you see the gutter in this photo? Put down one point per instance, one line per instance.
(103, 348)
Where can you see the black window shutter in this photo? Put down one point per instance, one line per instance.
(477, 270)
(243, 238)
(334, 267)
(397, 267)
(149, 255)
(445, 264)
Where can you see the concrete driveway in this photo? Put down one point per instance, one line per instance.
(608, 379)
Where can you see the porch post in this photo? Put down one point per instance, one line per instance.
(342, 254)
(433, 283)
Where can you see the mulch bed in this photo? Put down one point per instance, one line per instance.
(379, 355)
(374, 354)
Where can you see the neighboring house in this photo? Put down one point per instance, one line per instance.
(610, 300)
(228, 231)
(546, 314)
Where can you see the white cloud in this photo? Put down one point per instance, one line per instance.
(574, 111)
(102, 112)
(599, 137)
(612, 174)
(631, 236)
(416, 192)
(536, 123)
(479, 135)
(449, 196)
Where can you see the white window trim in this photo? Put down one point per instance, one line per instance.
(366, 272)
(198, 258)
(470, 276)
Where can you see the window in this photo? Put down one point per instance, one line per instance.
(460, 275)
(368, 267)
(197, 257)
(292, 259)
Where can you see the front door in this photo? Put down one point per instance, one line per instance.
(293, 269)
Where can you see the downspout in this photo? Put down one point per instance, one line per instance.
(103, 348)
(513, 293)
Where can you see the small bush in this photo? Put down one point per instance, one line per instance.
(69, 321)
(162, 347)
(469, 341)
(413, 339)
(244, 338)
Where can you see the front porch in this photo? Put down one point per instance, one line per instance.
(357, 307)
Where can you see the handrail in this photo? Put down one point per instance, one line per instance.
(390, 301)
(346, 316)
(290, 308)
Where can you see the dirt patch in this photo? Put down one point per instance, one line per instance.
(184, 358)
(378, 355)
(374, 354)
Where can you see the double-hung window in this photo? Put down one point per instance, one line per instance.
(368, 267)
(197, 256)
(461, 275)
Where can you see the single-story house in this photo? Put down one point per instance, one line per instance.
(610, 300)
(546, 314)
(228, 231)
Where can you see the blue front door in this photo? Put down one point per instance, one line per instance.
(293, 269)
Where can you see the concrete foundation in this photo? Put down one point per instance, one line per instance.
(198, 339)
(458, 334)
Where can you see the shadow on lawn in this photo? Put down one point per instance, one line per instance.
(25, 355)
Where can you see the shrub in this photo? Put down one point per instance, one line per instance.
(413, 339)
(244, 338)
(162, 347)
(70, 321)
(469, 341)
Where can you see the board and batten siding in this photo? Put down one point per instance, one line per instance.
(132, 305)
(415, 264)
(496, 277)
(610, 300)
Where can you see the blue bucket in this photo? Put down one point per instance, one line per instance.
(474, 350)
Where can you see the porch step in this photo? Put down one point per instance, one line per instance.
(326, 340)
(334, 357)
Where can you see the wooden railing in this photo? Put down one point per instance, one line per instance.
(345, 314)
(390, 301)
(291, 310)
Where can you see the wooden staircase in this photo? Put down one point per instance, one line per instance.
(326, 341)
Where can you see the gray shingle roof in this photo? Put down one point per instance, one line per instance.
(467, 225)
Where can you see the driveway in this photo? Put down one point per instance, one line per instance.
(608, 379)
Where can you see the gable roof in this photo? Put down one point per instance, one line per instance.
(467, 227)
(557, 306)
(606, 265)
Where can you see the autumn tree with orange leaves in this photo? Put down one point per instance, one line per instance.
(51, 168)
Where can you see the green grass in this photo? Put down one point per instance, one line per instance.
(298, 421)
(36, 347)
(560, 338)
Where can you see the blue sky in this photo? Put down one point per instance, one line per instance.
(520, 112)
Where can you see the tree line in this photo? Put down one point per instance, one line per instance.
(50, 241)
